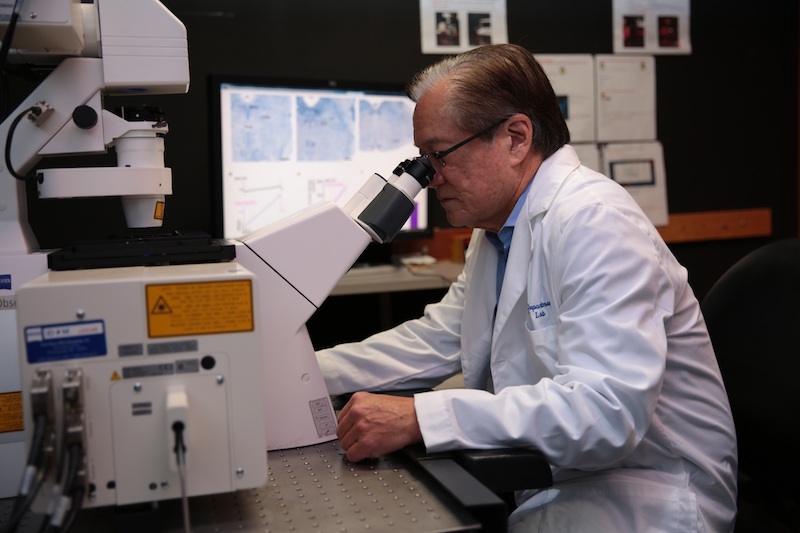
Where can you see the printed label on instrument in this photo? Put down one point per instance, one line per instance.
(7, 304)
(130, 350)
(178, 309)
(148, 371)
(323, 417)
(171, 347)
(11, 412)
(141, 408)
(59, 342)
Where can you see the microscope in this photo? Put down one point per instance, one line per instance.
(149, 369)
(143, 50)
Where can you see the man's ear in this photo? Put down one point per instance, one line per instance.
(520, 130)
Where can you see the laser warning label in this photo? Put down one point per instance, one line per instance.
(11, 412)
(179, 309)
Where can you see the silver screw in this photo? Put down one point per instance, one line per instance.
(137, 387)
(80, 313)
(240, 471)
(220, 379)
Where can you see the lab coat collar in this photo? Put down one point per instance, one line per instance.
(546, 183)
(481, 336)
(548, 180)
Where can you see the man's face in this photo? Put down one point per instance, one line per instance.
(475, 187)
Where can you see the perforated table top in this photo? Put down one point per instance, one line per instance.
(309, 489)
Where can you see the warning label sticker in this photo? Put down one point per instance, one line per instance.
(158, 214)
(11, 412)
(178, 309)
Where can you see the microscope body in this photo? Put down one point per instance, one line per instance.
(120, 365)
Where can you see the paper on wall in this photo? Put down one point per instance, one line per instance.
(639, 167)
(572, 78)
(454, 26)
(626, 98)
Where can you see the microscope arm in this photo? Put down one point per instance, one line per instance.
(298, 261)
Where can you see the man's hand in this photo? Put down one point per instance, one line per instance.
(372, 425)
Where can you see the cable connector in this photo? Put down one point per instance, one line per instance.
(177, 418)
(43, 405)
(42, 401)
(177, 423)
(72, 395)
(75, 419)
(39, 112)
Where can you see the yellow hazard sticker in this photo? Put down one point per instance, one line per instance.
(203, 308)
(11, 412)
(158, 214)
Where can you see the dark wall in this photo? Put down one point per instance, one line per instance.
(727, 113)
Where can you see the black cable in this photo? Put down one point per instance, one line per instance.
(37, 440)
(62, 464)
(34, 467)
(11, 128)
(179, 447)
(6, 46)
(20, 510)
(77, 505)
(180, 458)
(34, 457)
(73, 466)
(71, 490)
(71, 494)
(4, 49)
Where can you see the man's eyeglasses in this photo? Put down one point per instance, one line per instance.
(439, 155)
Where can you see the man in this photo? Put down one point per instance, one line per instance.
(574, 326)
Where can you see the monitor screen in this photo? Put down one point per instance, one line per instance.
(281, 145)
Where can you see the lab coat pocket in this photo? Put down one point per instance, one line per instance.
(542, 349)
(609, 504)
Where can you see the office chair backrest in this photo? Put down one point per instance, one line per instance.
(753, 317)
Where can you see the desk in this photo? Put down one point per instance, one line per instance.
(394, 278)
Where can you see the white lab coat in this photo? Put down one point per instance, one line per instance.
(598, 357)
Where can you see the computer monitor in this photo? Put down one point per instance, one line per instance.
(280, 145)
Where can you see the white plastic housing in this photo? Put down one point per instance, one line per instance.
(298, 262)
(103, 322)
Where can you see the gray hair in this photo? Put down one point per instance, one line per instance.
(495, 81)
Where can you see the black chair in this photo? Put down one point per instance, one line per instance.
(753, 317)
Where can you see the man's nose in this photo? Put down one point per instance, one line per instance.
(437, 180)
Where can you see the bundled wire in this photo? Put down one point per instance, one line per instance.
(34, 475)
(77, 504)
(67, 498)
(56, 492)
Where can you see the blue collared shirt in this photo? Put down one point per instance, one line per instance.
(502, 239)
